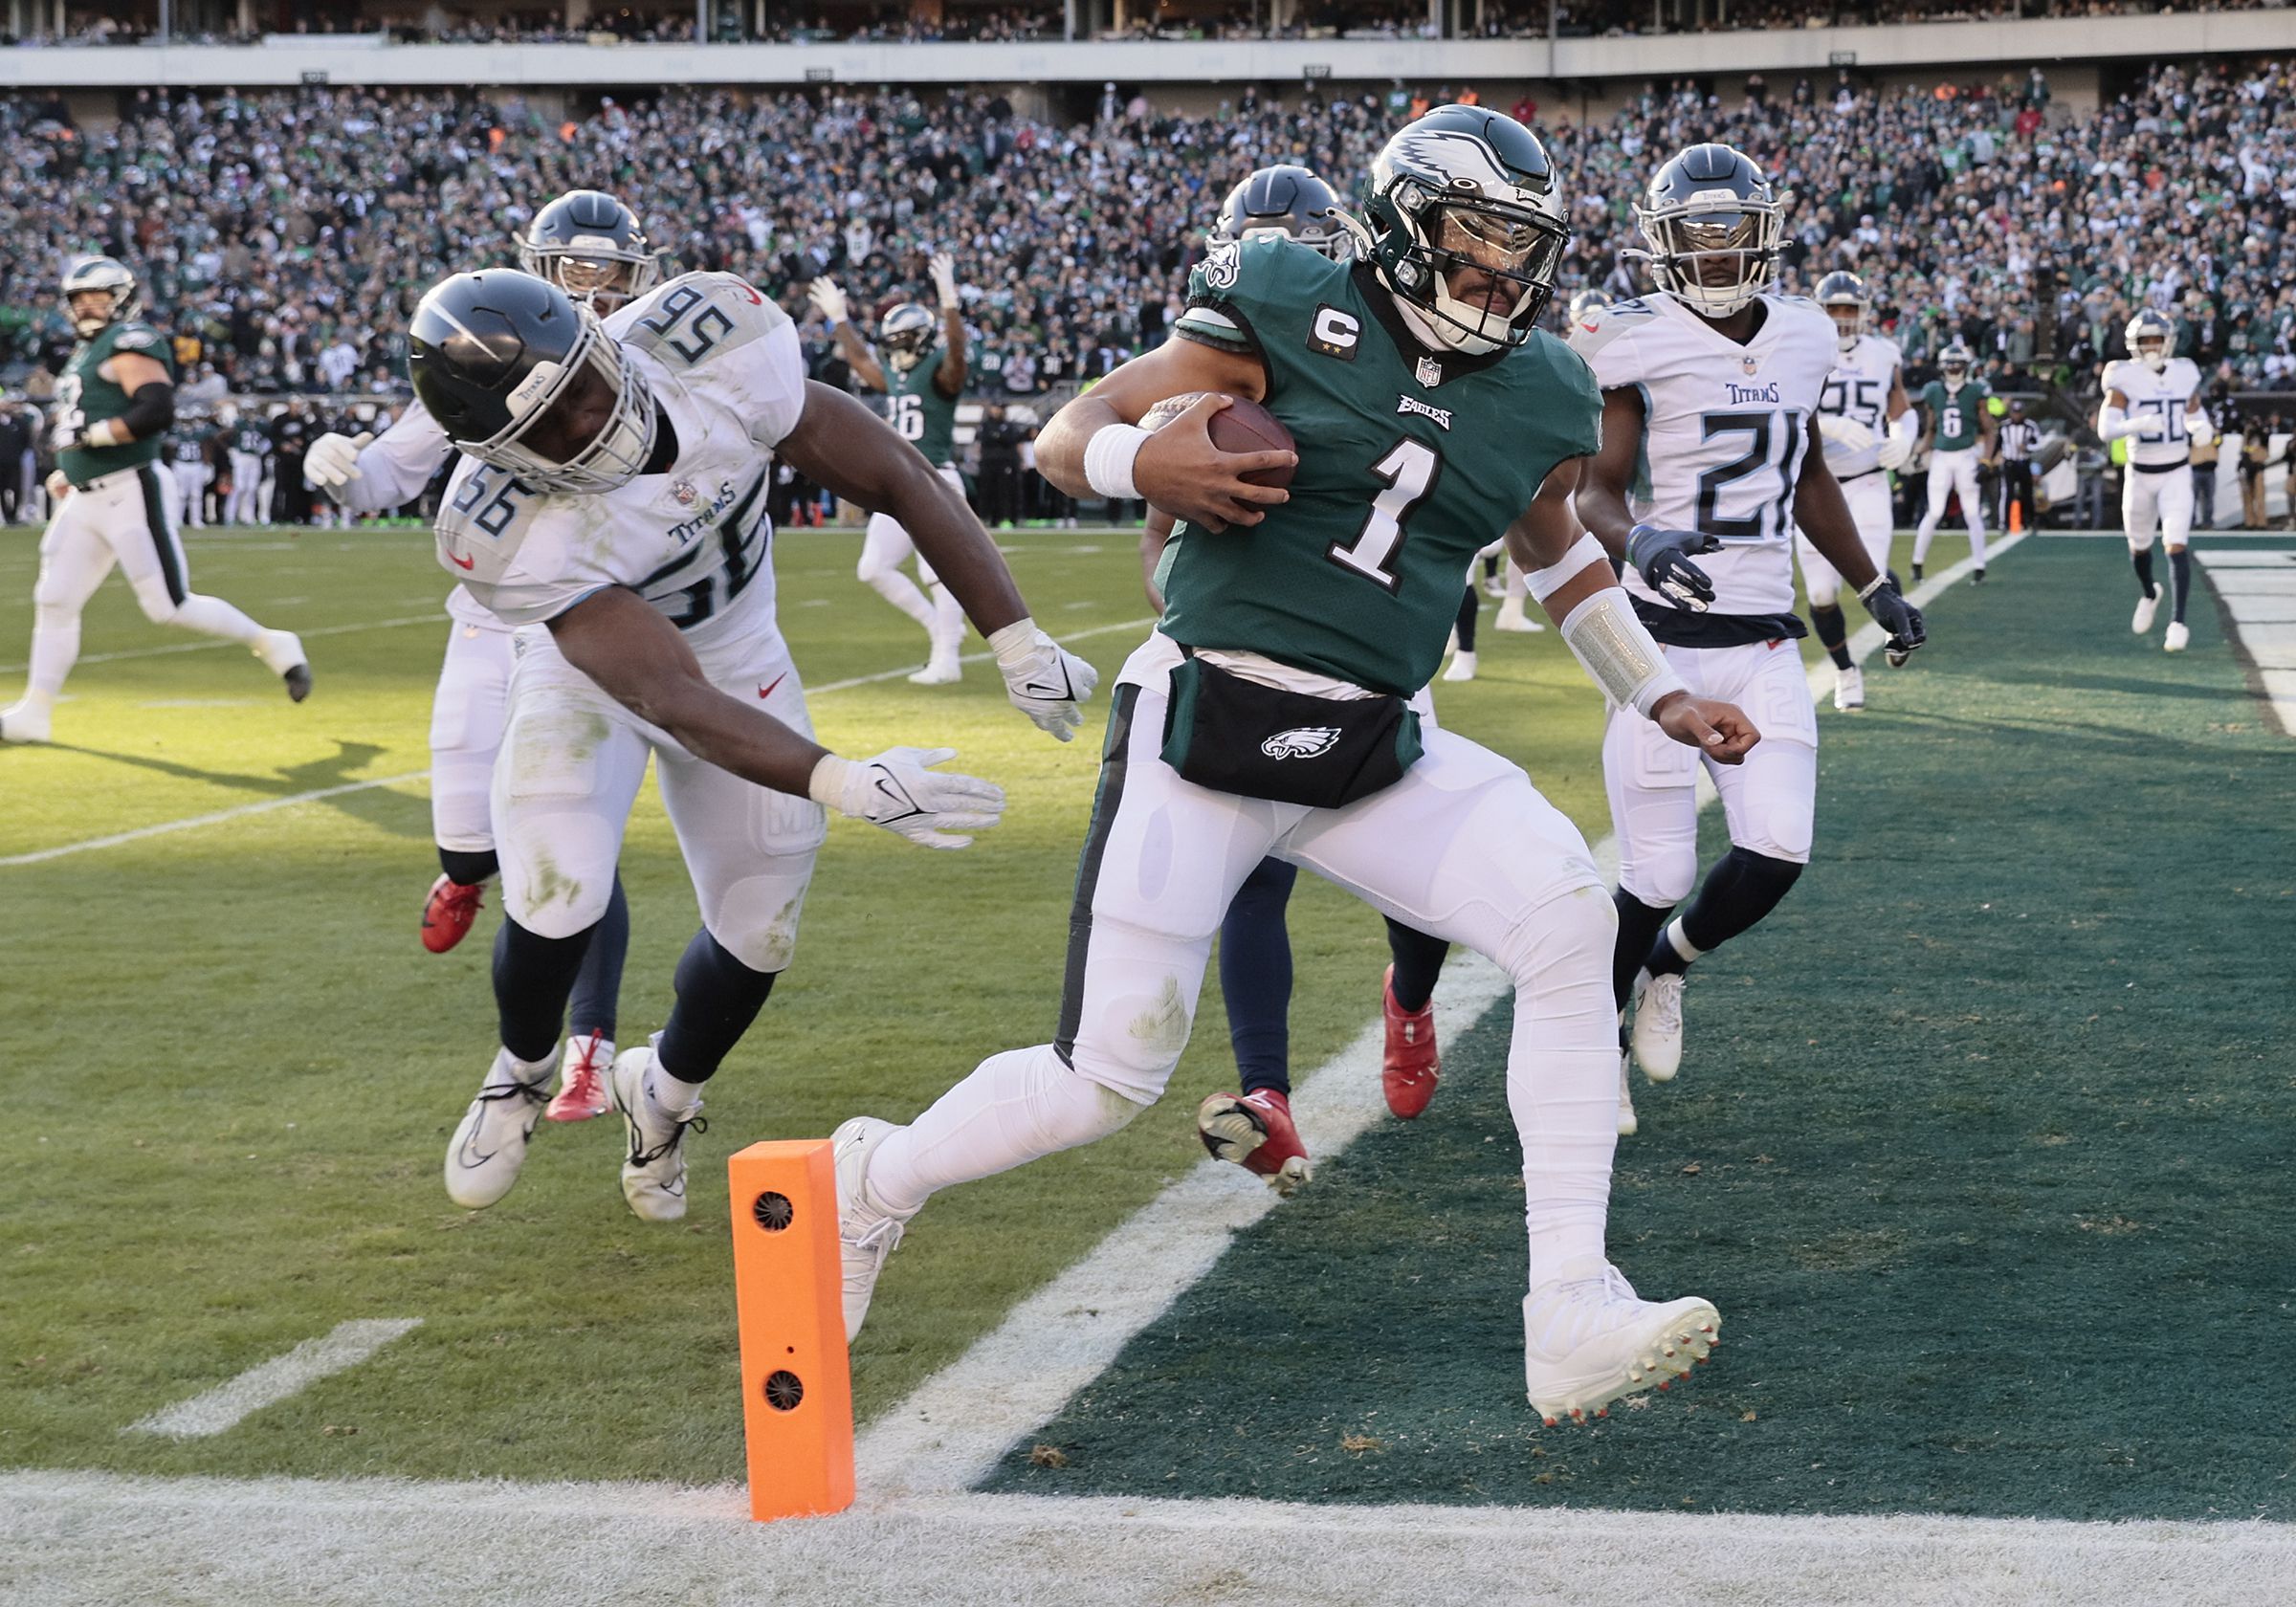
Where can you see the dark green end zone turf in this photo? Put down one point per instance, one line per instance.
(1982, 1145)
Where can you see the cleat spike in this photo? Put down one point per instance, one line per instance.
(1666, 1383)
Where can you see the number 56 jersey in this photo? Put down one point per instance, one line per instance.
(1725, 430)
(723, 364)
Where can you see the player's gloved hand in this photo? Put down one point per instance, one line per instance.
(1662, 557)
(59, 488)
(1896, 616)
(1044, 679)
(900, 791)
(333, 460)
(828, 300)
(944, 268)
(1894, 451)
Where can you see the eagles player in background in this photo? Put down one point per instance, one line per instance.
(247, 449)
(114, 402)
(1956, 427)
(1712, 389)
(1432, 414)
(593, 247)
(923, 401)
(2154, 399)
(190, 466)
(1869, 429)
(609, 504)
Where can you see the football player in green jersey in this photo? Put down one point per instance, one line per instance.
(1268, 714)
(113, 405)
(1957, 429)
(921, 398)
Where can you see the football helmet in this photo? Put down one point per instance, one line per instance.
(1587, 303)
(2151, 339)
(1849, 303)
(1467, 190)
(591, 247)
(1715, 227)
(1284, 200)
(502, 359)
(905, 334)
(106, 273)
(1954, 365)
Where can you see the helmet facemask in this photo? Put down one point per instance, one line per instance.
(593, 271)
(905, 336)
(1953, 366)
(614, 455)
(100, 277)
(1851, 318)
(2152, 351)
(1507, 255)
(1714, 253)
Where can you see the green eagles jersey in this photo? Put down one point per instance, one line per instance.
(1409, 462)
(84, 397)
(1957, 415)
(920, 414)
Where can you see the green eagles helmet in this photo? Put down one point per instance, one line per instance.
(102, 274)
(905, 334)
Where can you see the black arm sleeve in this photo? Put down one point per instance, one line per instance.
(150, 410)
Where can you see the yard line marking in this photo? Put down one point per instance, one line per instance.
(210, 644)
(163, 827)
(345, 1346)
(953, 1428)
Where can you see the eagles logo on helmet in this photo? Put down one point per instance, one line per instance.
(99, 274)
(905, 335)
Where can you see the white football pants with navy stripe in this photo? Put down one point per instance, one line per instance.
(2158, 505)
(124, 519)
(1463, 848)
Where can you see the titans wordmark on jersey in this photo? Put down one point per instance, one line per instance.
(723, 363)
(1858, 391)
(2159, 401)
(1725, 430)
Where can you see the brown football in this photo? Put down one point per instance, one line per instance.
(1241, 427)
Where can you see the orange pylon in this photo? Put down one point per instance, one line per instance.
(797, 1387)
(2017, 516)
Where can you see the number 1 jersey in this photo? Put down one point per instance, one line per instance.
(1725, 430)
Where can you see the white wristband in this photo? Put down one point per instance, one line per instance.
(1584, 552)
(829, 781)
(1108, 459)
(1618, 652)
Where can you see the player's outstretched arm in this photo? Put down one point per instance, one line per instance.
(368, 474)
(828, 300)
(840, 444)
(1095, 448)
(1823, 514)
(637, 657)
(955, 359)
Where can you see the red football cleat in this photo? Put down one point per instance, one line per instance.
(1411, 1065)
(1254, 1131)
(448, 912)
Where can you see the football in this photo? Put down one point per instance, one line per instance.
(1241, 427)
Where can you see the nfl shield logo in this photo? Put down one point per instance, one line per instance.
(1430, 372)
(1749, 364)
(684, 492)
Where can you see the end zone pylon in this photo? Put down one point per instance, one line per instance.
(797, 1393)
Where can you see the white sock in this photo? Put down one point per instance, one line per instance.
(1014, 1107)
(1679, 941)
(899, 590)
(509, 1069)
(948, 621)
(1518, 587)
(213, 616)
(672, 1093)
(1976, 541)
(1563, 1087)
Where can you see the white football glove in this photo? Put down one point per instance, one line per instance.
(333, 460)
(1896, 449)
(59, 488)
(828, 300)
(900, 791)
(1044, 679)
(944, 278)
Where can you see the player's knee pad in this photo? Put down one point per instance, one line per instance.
(550, 903)
(1824, 588)
(1561, 948)
(1662, 873)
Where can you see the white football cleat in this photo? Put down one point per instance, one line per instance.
(1849, 687)
(26, 720)
(488, 1145)
(1588, 1340)
(1513, 618)
(2178, 639)
(1463, 667)
(867, 1233)
(653, 1173)
(2145, 608)
(940, 670)
(1658, 1027)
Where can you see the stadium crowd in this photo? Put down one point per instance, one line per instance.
(284, 237)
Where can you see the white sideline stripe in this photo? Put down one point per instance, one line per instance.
(948, 1435)
(102, 1537)
(344, 1347)
(2259, 592)
(163, 827)
(1064, 637)
(211, 644)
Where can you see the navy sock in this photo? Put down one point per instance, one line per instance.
(598, 985)
(1833, 633)
(1467, 621)
(2142, 561)
(717, 998)
(1739, 890)
(1256, 977)
(1638, 924)
(1418, 964)
(533, 978)
(468, 869)
(2180, 580)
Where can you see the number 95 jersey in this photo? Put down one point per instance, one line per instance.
(1725, 430)
(723, 363)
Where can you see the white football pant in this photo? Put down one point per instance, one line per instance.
(191, 482)
(245, 505)
(1868, 500)
(2157, 502)
(1951, 472)
(884, 547)
(467, 715)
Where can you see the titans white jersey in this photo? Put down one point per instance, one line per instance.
(723, 363)
(2159, 401)
(1725, 429)
(1857, 391)
(393, 467)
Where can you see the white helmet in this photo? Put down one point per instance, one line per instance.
(2151, 339)
(101, 274)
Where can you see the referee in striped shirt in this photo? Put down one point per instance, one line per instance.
(2017, 441)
